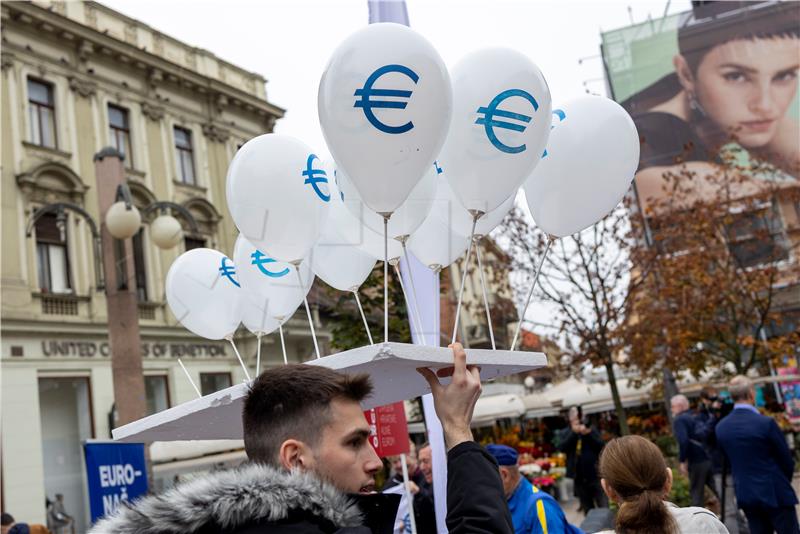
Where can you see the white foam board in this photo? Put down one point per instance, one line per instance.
(392, 367)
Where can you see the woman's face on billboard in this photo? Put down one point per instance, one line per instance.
(746, 86)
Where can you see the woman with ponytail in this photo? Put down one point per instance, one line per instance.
(635, 476)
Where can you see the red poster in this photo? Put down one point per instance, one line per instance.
(388, 429)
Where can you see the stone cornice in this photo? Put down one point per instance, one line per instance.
(216, 133)
(92, 42)
(85, 88)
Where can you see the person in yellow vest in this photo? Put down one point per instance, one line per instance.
(533, 511)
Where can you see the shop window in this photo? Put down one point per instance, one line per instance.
(42, 113)
(119, 132)
(52, 260)
(156, 390)
(212, 382)
(185, 155)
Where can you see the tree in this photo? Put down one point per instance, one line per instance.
(718, 255)
(587, 277)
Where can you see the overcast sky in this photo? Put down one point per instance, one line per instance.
(290, 42)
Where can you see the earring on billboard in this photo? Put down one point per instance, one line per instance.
(694, 104)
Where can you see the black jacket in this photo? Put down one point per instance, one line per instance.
(258, 499)
(581, 466)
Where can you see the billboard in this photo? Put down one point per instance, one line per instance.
(721, 78)
(116, 473)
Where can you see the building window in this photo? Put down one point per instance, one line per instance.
(183, 151)
(194, 242)
(139, 266)
(756, 237)
(51, 255)
(42, 113)
(156, 390)
(212, 382)
(119, 132)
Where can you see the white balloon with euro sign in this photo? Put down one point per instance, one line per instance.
(384, 105)
(256, 315)
(278, 194)
(204, 293)
(501, 121)
(592, 155)
(336, 258)
(273, 283)
(405, 219)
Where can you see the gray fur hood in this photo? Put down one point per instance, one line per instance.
(231, 499)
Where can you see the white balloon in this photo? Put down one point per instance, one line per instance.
(405, 219)
(278, 195)
(256, 317)
(336, 257)
(501, 121)
(435, 243)
(372, 244)
(204, 293)
(273, 283)
(456, 216)
(592, 155)
(384, 105)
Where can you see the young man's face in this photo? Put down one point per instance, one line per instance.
(344, 456)
(426, 464)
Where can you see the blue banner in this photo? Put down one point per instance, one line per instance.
(116, 472)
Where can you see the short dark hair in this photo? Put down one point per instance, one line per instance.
(716, 23)
(6, 519)
(293, 402)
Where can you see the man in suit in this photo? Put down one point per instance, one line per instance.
(695, 463)
(761, 463)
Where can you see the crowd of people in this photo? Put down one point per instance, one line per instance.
(312, 469)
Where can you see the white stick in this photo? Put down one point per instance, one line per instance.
(308, 310)
(416, 325)
(409, 497)
(464, 277)
(363, 317)
(386, 278)
(485, 297)
(413, 293)
(190, 378)
(283, 345)
(530, 293)
(258, 353)
(244, 368)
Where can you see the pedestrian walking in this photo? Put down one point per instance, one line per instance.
(582, 444)
(691, 433)
(761, 463)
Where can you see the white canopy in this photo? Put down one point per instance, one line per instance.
(489, 409)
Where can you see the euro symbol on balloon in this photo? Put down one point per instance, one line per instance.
(261, 260)
(228, 271)
(490, 123)
(314, 177)
(367, 92)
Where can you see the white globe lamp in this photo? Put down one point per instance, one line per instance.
(123, 223)
(166, 231)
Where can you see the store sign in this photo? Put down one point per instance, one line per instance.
(388, 429)
(116, 473)
(90, 349)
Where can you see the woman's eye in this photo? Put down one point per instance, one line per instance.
(785, 76)
(734, 76)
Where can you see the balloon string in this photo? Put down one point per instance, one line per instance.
(258, 354)
(485, 297)
(464, 277)
(363, 317)
(413, 293)
(239, 356)
(416, 326)
(308, 311)
(386, 278)
(190, 378)
(550, 240)
(283, 344)
(409, 498)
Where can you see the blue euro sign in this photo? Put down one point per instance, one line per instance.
(261, 260)
(314, 177)
(228, 271)
(561, 116)
(436, 166)
(490, 123)
(367, 91)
